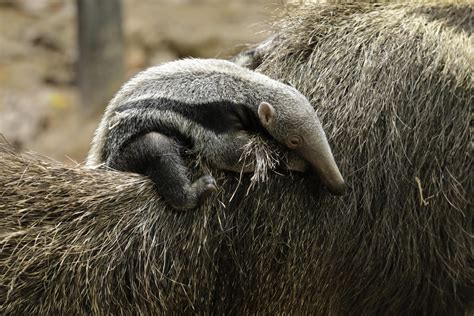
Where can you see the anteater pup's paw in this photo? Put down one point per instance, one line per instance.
(204, 186)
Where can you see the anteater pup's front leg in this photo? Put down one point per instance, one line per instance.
(158, 157)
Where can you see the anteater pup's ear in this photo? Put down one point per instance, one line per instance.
(266, 113)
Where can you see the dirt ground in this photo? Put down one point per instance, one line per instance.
(39, 103)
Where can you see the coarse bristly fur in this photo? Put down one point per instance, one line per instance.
(393, 85)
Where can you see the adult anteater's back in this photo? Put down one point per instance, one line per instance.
(394, 87)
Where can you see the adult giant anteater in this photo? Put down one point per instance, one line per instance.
(393, 85)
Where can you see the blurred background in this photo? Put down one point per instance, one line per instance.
(61, 61)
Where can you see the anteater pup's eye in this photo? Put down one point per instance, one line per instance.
(294, 141)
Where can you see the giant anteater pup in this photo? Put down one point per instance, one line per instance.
(212, 105)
